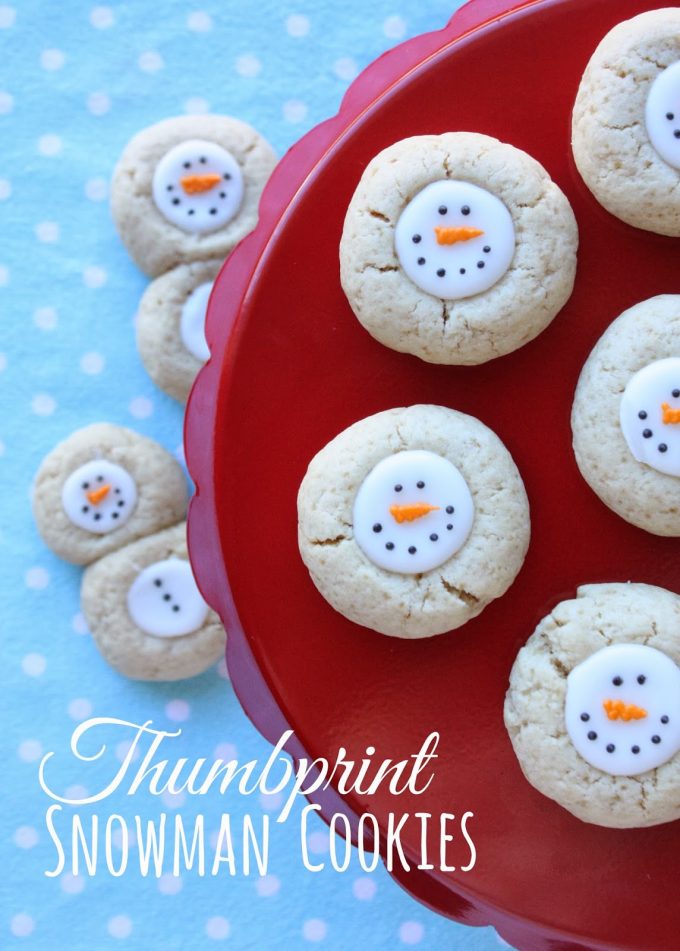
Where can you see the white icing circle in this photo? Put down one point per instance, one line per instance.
(192, 323)
(198, 186)
(650, 415)
(467, 265)
(662, 115)
(164, 600)
(99, 496)
(414, 477)
(632, 679)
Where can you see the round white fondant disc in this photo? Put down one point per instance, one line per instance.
(164, 600)
(99, 496)
(662, 115)
(192, 323)
(650, 406)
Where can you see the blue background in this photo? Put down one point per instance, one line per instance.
(77, 80)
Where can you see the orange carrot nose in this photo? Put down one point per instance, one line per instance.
(98, 495)
(409, 513)
(669, 415)
(195, 184)
(618, 710)
(452, 235)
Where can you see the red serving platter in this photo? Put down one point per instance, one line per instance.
(291, 367)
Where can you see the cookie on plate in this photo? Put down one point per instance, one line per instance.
(146, 613)
(626, 416)
(593, 707)
(187, 189)
(626, 122)
(457, 248)
(103, 487)
(170, 326)
(411, 521)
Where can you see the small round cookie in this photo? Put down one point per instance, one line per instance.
(170, 326)
(145, 612)
(593, 707)
(626, 122)
(187, 189)
(411, 521)
(457, 248)
(102, 488)
(626, 416)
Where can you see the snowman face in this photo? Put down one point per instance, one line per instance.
(412, 512)
(650, 415)
(99, 496)
(198, 186)
(192, 323)
(622, 709)
(662, 115)
(164, 601)
(455, 239)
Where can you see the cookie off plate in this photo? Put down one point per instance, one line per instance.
(291, 367)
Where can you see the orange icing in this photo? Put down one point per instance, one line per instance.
(669, 415)
(409, 513)
(452, 235)
(618, 710)
(195, 184)
(98, 495)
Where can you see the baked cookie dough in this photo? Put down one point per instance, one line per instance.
(170, 326)
(626, 122)
(626, 416)
(187, 189)
(593, 707)
(411, 521)
(457, 248)
(103, 487)
(145, 612)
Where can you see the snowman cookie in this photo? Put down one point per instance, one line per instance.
(411, 521)
(187, 189)
(593, 706)
(626, 416)
(171, 326)
(626, 122)
(146, 613)
(457, 248)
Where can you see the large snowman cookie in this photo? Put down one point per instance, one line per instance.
(187, 189)
(593, 707)
(411, 521)
(145, 612)
(457, 248)
(171, 326)
(626, 416)
(103, 487)
(626, 122)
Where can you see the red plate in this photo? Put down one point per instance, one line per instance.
(292, 367)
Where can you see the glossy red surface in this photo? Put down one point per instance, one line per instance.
(292, 367)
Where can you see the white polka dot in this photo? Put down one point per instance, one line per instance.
(294, 110)
(52, 59)
(92, 363)
(222, 670)
(123, 748)
(37, 578)
(364, 888)
(95, 276)
(47, 232)
(71, 884)
(297, 25)
(102, 18)
(79, 709)
(217, 928)
(248, 65)
(3, 448)
(6, 102)
(150, 62)
(314, 929)
(22, 926)
(411, 932)
(140, 407)
(345, 68)
(117, 837)
(169, 884)
(97, 189)
(200, 22)
(5, 189)
(34, 665)
(225, 752)
(173, 800)
(271, 802)
(7, 17)
(26, 837)
(120, 926)
(43, 404)
(196, 106)
(30, 751)
(45, 318)
(50, 144)
(98, 103)
(318, 843)
(79, 624)
(3, 362)
(76, 792)
(4, 275)
(177, 710)
(394, 27)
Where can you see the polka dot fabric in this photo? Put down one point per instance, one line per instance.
(83, 80)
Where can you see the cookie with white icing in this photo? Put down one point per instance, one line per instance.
(187, 189)
(626, 416)
(593, 706)
(411, 521)
(170, 326)
(457, 248)
(626, 122)
(102, 488)
(146, 613)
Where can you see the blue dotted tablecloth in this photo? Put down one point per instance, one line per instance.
(77, 80)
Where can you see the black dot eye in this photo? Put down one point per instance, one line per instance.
(647, 433)
(442, 209)
(417, 238)
(465, 210)
(377, 527)
(610, 747)
(85, 485)
(158, 582)
(662, 447)
(585, 717)
(412, 550)
(617, 681)
(656, 739)
(642, 414)
(641, 679)
(676, 393)
(203, 160)
(169, 188)
(100, 478)
(441, 272)
(421, 484)
(635, 749)
(389, 546)
(434, 537)
(398, 488)
(592, 735)
(664, 719)
(187, 164)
